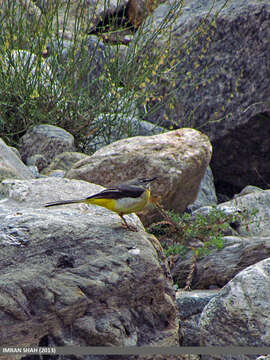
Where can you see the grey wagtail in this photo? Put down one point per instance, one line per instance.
(123, 199)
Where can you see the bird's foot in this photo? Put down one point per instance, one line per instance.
(84, 208)
(129, 227)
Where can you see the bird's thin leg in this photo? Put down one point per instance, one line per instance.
(125, 224)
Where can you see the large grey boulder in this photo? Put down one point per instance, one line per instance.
(75, 276)
(220, 85)
(239, 314)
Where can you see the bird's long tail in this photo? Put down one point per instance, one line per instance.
(55, 203)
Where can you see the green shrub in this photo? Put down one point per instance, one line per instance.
(66, 95)
(200, 233)
(93, 89)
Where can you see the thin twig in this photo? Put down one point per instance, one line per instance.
(191, 271)
(166, 216)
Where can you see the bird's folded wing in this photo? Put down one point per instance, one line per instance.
(119, 192)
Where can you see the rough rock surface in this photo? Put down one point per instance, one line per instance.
(38, 161)
(77, 276)
(179, 158)
(207, 194)
(239, 72)
(47, 140)
(253, 199)
(11, 165)
(64, 161)
(253, 204)
(238, 315)
(223, 85)
(190, 305)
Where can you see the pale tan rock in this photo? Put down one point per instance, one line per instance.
(179, 158)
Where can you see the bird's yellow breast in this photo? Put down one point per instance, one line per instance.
(125, 205)
(107, 203)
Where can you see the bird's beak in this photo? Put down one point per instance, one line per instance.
(154, 178)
